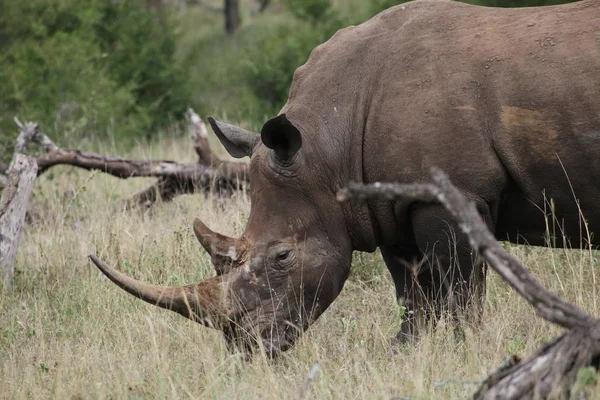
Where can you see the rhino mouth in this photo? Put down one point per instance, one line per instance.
(273, 340)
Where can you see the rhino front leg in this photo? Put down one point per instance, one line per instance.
(454, 274)
(440, 273)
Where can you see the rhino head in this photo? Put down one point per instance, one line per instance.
(292, 260)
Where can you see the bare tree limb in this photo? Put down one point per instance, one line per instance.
(210, 173)
(551, 371)
(199, 136)
(168, 187)
(13, 207)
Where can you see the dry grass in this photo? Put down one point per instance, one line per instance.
(67, 332)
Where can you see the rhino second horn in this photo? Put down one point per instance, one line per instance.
(203, 302)
(222, 249)
(237, 141)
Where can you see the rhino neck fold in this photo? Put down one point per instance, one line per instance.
(337, 130)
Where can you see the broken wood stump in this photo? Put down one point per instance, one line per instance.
(13, 207)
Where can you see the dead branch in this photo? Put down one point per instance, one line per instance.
(209, 173)
(551, 371)
(13, 207)
(199, 136)
(228, 176)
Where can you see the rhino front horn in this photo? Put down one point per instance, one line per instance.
(225, 252)
(204, 302)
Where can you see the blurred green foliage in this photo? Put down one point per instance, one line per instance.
(310, 10)
(89, 69)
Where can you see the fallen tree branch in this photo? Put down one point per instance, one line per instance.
(13, 207)
(210, 173)
(551, 371)
(229, 175)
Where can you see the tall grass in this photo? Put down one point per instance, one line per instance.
(67, 332)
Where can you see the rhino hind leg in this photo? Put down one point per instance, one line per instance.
(399, 260)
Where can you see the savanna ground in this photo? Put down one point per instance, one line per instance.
(68, 332)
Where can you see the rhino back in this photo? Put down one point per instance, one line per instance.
(506, 100)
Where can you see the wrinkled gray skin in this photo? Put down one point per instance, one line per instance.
(506, 101)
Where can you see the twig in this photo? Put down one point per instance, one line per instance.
(76, 195)
(311, 376)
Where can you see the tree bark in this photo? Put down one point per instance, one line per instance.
(13, 207)
(232, 16)
(552, 370)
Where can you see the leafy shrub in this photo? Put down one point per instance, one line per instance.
(311, 10)
(270, 76)
(270, 69)
(88, 69)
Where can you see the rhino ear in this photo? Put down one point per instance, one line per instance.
(280, 135)
(237, 141)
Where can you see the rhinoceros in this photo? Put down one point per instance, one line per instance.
(505, 101)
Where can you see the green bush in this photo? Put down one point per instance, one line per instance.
(311, 10)
(270, 74)
(270, 69)
(88, 69)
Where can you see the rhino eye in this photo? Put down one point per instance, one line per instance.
(282, 255)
